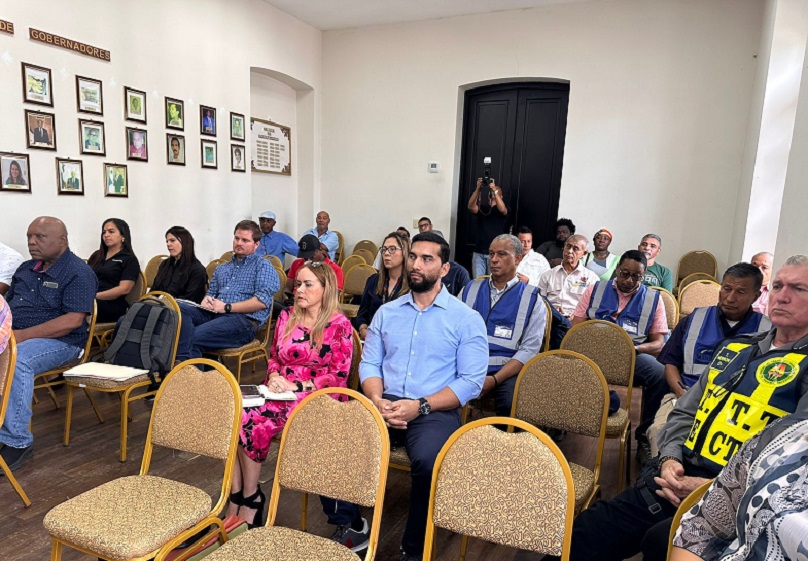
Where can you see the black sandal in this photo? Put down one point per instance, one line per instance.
(256, 501)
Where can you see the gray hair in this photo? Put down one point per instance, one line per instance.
(657, 238)
(580, 237)
(514, 241)
(796, 260)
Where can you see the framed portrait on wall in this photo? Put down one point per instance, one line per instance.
(134, 103)
(175, 149)
(207, 120)
(175, 114)
(237, 158)
(69, 177)
(91, 137)
(37, 85)
(89, 96)
(236, 126)
(137, 146)
(116, 180)
(40, 130)
(15, 172)
(209, 155)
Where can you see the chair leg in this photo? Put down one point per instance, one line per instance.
(68, 415)
(464, 542)
(95, 406)
(304, 513)
(53, 397)
(14, 483)
(124, 423)
(56, 550)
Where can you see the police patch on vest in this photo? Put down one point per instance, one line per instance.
(723, 359)
(777, 371)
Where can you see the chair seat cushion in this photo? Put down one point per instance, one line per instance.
(276, 543)
(254, 344)
(584, 481)
(350, 310)
(128, 517)
(616, 424)
(102, 383)
(399, 456)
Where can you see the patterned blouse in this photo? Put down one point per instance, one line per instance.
(5, 324)
(756, 508)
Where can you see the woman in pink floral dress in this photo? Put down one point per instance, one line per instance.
(312, 349)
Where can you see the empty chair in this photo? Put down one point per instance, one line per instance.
(143, 516)
(366, 254)
(354, 285)
(697, 295)
(352, 261)
(513, 489)
(366, 244)
(697, 261)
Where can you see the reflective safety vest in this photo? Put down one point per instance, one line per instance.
(704, 333)
(506, 321)
(635, 318)
(744, 393)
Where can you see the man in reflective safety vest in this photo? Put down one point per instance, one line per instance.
(626, 301)
(750, 382)
(515, 317)
(690, 348)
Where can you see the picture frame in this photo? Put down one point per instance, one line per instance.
(175, 113)
(209, 154)
(37, 84)
(92, 139)
(207, 120)
(89, 96)
(15, 173)
(237, 158)
(134, 103)
(69, 177)
(116, 180)
(137, 145)
(40, 130)
(237, 129)
(175, 149)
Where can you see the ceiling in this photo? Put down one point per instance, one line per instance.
(341, 14)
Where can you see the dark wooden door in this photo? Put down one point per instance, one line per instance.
(522, 127)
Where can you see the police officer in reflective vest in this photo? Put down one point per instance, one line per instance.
(515, 318)
(690, 348)
(626, 301)
(751, 381)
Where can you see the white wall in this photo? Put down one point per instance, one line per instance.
(659, 102)
(200, 51)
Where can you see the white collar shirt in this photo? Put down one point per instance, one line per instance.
(533, 266)
(564, 290)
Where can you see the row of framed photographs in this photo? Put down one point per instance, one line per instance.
(41, 134)
(15, 171)
(37, 87)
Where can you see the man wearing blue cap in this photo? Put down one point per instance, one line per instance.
(274, 242)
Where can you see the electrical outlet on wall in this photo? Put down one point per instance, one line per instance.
(415, 223)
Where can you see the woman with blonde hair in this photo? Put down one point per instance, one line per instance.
(386, 285)
(312, 350)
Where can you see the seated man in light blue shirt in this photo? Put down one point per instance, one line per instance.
(274, 242)
(325, 235)
(425, 355)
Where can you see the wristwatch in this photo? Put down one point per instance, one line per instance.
(424, 408)
(227, 308)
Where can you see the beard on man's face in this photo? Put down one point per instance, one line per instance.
(421, 283)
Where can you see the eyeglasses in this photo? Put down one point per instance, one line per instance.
(391, 249)
(626, 275)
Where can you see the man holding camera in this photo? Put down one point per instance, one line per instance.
(488, 205)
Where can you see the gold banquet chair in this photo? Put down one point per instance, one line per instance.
(366, 244)
(227, 255)
(697, 295)
(322, 437)
(339, 255)
(671, 306)
(356, 358)
(366, 255)
(686, 504)
(274, 260)
(249, 353)
(352, 261)
(533, 511)
(124, 388)
(8, 362)
(211, 267)
(566, 391)
(610, 347)
(354, 285)
(142, 516)
(150, 272)
(696, 261)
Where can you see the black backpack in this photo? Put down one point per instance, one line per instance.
(145, 337)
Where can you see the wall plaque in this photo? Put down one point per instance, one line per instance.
(69, 44)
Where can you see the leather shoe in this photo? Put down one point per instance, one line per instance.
(16, 457)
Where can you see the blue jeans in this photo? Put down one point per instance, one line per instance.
(650, 374)
(204, 331)
(479, 265)
(34, 356)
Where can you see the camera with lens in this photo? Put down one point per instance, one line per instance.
(485, 187)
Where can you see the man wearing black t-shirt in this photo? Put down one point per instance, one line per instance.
(491, 215)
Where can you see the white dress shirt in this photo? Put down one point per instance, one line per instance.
(533, 266)
(564, 290)
(9, 261)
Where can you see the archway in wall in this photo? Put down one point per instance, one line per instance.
(522, 126)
